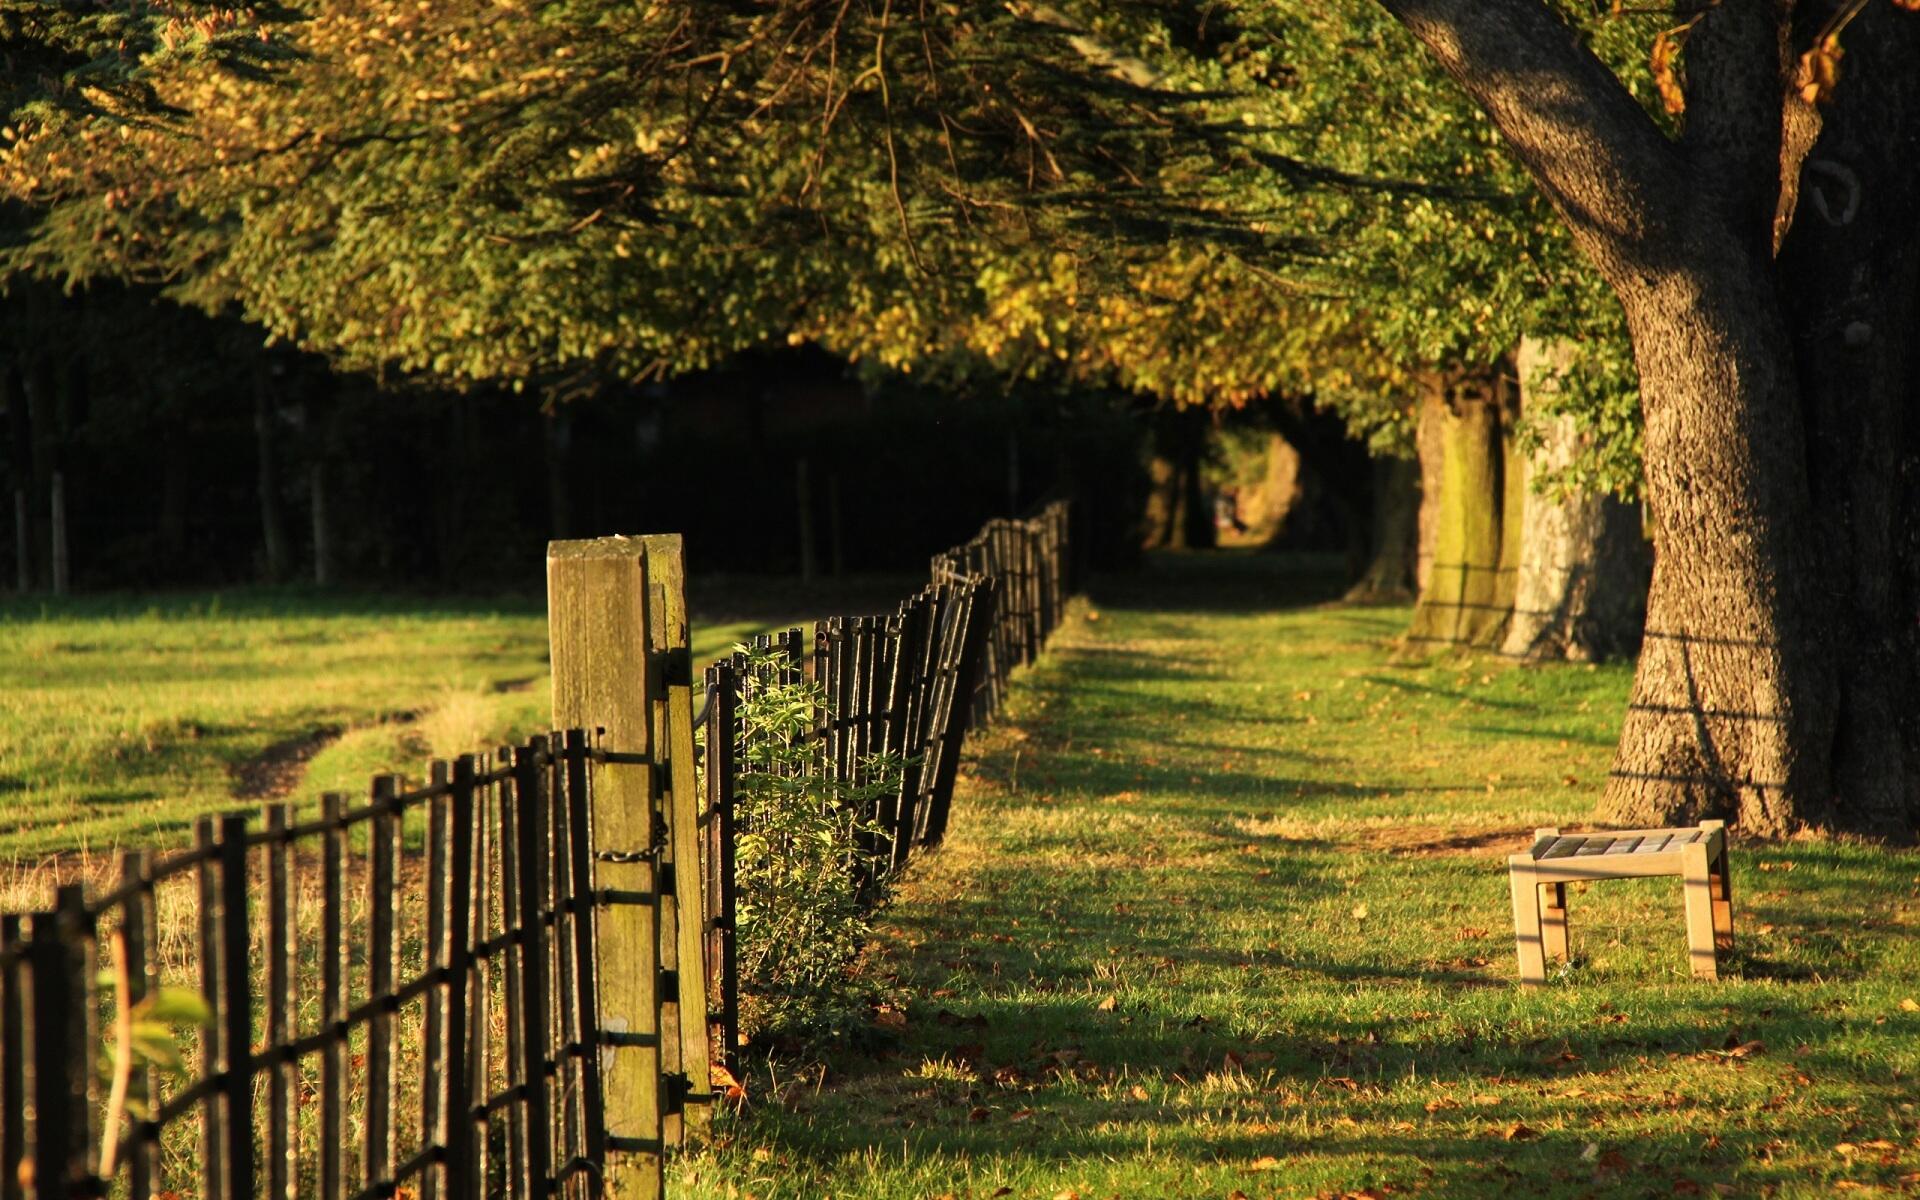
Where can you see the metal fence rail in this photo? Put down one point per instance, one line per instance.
(471, 962)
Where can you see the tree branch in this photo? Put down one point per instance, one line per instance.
(1596, 154)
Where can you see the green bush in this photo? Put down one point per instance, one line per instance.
(801, 854)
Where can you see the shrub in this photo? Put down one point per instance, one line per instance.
(802, 850)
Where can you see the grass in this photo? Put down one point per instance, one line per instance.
(124, 717)
(1223, 913)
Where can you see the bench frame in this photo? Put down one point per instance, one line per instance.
(1539, 878)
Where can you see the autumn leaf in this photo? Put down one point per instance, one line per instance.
(1266, 1162)
(1109, 1004)
(1519, 1132)
(1665, 77)
(1910, 1004)
(1819, 72)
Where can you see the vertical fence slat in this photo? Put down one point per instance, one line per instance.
(512, 975)
(723, 966)
(382, 953)
(455, 1123)
(13, 1057)
(481, 1004)
(140, 919)
(333, 1001)
(530, 795)
(236, 999)
(206, 880)
(282, 1163)
(593, 1142)
(62, 1060)
(435, 956)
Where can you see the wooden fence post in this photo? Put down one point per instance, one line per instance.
(597, 619)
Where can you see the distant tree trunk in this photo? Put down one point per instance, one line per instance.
(1469, 590)
(20, 471)
(23, 541)
(803, 511)
(1389, 575)
(836, 532)
(1581, 591)
(61, 561)
(272, 523)
(322, 524)
(1178, 516)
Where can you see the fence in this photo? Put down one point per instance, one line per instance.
(1032, 562)
(516, 961)
(908, 684)
(472, 962)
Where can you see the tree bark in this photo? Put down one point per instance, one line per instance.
(1430, 420)
(1581, 588)
(1389, 575)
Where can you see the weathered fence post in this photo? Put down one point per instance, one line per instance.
(597, 618)
(621, 663)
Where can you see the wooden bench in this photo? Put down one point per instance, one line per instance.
(1539, 879)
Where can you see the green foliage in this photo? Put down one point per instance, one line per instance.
(156, 1026)
(801, 850)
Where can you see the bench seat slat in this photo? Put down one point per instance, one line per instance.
(1596, 845)
(1653, 844)
(1564, 846)
(1624, 845)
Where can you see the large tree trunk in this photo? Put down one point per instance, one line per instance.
(1389, 575)
(1731, 712)
(1469, 588)
(1581, 588)
(1780, 618)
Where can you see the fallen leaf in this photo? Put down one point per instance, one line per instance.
(976, 1116)
(1486, 1098)
(1109, 1004)
(1020, 1115)
(1910, 1005)
(1591, 1153)
(1266, 1162)
(890, 1018)
(1359, 912)
(1138, 1092)
(1518, 1132)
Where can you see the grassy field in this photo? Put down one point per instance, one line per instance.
(1223, 914)
(124, 717)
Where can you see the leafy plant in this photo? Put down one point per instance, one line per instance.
(807, 874)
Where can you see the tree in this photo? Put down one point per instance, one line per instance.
(1765, 259)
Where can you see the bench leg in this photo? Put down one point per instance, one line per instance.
(1722, 902)
(1553, 921)
(1697, 881)
(1526, 918)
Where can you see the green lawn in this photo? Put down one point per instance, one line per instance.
(1223, 913)
(124, 717)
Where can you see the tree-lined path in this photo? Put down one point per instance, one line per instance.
(1223, 911)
